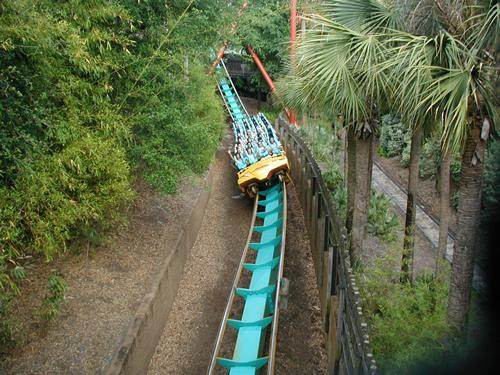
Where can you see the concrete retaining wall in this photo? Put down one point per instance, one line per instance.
(142, 337)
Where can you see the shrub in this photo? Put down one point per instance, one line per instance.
(382, 220)
(180, 135)
(393, 136)
(408, 322)
(405, 156)
(321, 138)
(61, 195)
(430, 159)
(56, 287)
(335, 183)
(8, 327)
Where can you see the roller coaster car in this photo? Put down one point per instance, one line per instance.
(264, 174)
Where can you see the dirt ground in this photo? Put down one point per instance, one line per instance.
(106, 284)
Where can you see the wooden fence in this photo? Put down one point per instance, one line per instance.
(347, 341)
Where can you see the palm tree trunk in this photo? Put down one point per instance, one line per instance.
(364, 164)
(351, 176)
(469, 208)
(445, 208)
(411, 208)
(343, 154)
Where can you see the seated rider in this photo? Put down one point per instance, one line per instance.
(262, 150)
(270, 131)
(238, 160)
(275, 145)
(250, 156)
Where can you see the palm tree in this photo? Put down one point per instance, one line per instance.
(339, 68)
(369, 17)
(335, 72)
(444, 210)
(464, 96)
(411, 80)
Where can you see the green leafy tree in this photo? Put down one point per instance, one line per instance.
(91, 92)
(265, 26)
(64, 139)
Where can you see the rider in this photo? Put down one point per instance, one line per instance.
(275, 146)
(262, 151)
(250, 156)
(238, 160)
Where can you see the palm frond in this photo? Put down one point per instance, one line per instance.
(337, 69)
(366, 16)
(485, 33)
(447, 97)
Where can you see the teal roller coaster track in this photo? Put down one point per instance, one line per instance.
(254, 317)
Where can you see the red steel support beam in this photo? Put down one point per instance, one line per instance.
(293, 29)
(268, 79)
(218, 56)
(293, 42)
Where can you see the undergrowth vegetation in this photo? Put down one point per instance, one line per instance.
(382, 220)
(490, 213)
(407, 320)
(327, 148)
(395, 140)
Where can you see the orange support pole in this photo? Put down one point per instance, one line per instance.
(293, 42)
(293, 30)
(268, 79)
(218, 57)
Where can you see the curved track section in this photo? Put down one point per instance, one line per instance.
(253, 304)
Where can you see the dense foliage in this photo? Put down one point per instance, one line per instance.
(407, 320)
(93, 93)
(395, 140)
(490, 218)
(328, 149)
(265, 25)
(394, 136)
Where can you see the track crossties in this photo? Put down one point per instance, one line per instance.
(262, 263)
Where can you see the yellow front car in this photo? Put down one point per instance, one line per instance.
(261, 173)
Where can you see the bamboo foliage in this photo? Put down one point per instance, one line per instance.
(93, 94)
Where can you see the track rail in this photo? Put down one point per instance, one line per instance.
(261, 266)
(230, 95)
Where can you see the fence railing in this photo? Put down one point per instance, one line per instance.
(347, 341)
